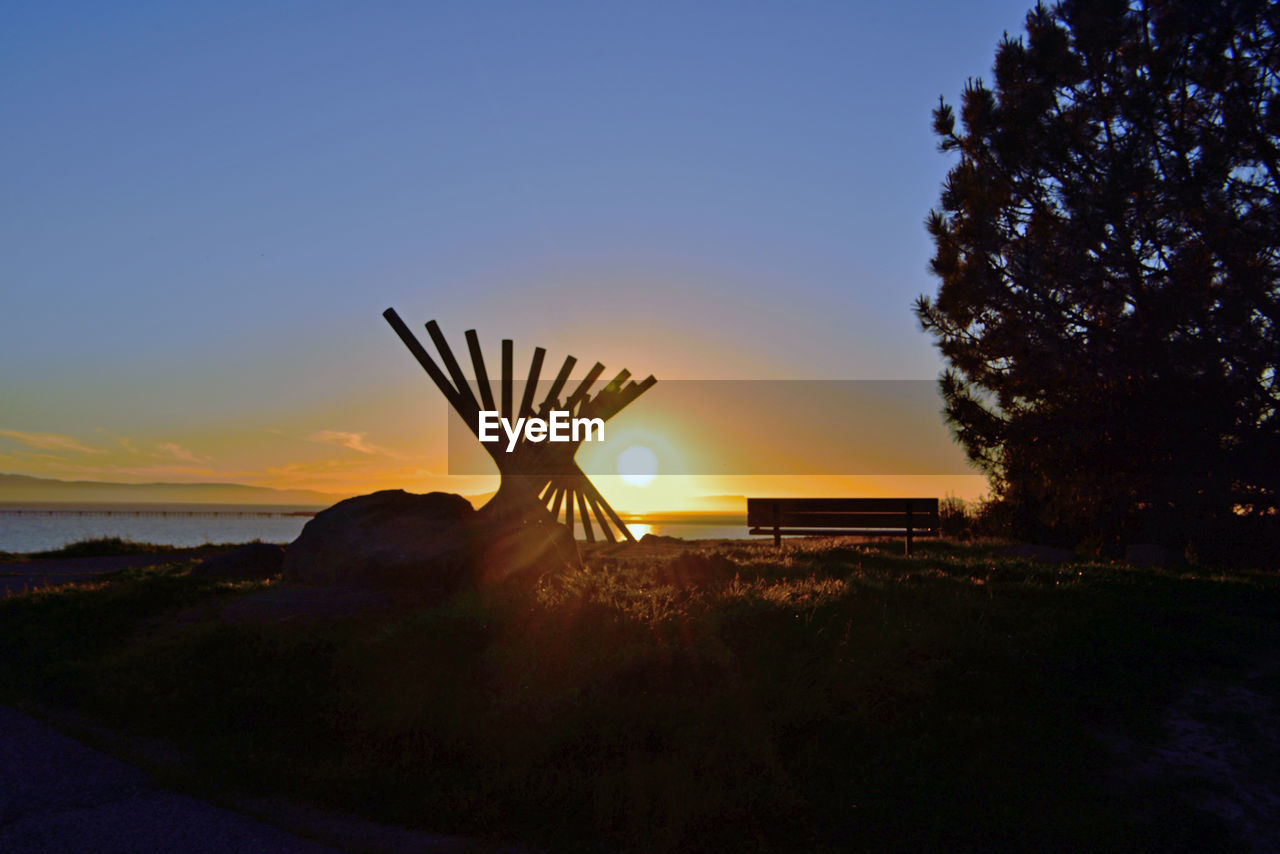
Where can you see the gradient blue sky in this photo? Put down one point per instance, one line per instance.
(207, 206)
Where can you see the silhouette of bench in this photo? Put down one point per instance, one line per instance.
(862, 517)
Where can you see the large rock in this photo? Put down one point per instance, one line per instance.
(388, 539)
(434, 545)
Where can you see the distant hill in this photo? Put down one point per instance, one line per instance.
(19, 488)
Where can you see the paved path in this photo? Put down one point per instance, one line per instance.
(57, 795)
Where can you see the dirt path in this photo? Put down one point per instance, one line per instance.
(58, 795)
(1217, 754)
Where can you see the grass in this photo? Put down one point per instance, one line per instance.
(93, 547)
(111, 547)
(825, 697)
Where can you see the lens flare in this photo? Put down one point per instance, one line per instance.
(637, 465)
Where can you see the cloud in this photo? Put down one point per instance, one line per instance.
(49, 442)
(33, 456)
(354, 441)
(350, 475)
(177, 452)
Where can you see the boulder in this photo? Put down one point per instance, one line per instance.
(388, 539)
(250, 562)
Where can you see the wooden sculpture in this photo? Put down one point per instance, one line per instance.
(538, 478)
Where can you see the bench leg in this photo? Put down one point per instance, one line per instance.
(777, 537)
(908, 531)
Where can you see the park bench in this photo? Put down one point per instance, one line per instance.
(863, 517)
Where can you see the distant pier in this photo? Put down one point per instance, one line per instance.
(118, 511)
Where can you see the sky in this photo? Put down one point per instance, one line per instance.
(207, 206)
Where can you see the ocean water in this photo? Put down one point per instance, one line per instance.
(683, 530)
(194, 526)
(28, 532)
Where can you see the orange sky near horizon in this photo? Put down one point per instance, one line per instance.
(396, 438)
(361, 415)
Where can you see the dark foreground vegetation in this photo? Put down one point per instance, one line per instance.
(1109, 287)
(93, 547)
(830, 696)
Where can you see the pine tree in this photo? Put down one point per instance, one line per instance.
(1107, 246)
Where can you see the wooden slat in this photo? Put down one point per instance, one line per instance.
(634, 390)
(601, 519)
(607, 399)
(568, 513)
(848, 520)
(584, 387)
(482, 376)
(424, 359)
(551, 400)
(611, 405)
(615, 384)
(848, 505)
(613, 516)
(538, 490)
(451, 365)
(586, 519)
(508, 359)
(761, 511)
(839, 532)
(531, 384)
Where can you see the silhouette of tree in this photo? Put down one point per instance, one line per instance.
(1108, 247)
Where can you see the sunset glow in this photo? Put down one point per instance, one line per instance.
(637, 465)
(213, 249)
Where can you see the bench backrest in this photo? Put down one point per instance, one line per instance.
(850, 513)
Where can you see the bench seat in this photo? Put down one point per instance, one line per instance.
(862, 517)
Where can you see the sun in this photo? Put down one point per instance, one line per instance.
(637, 465)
